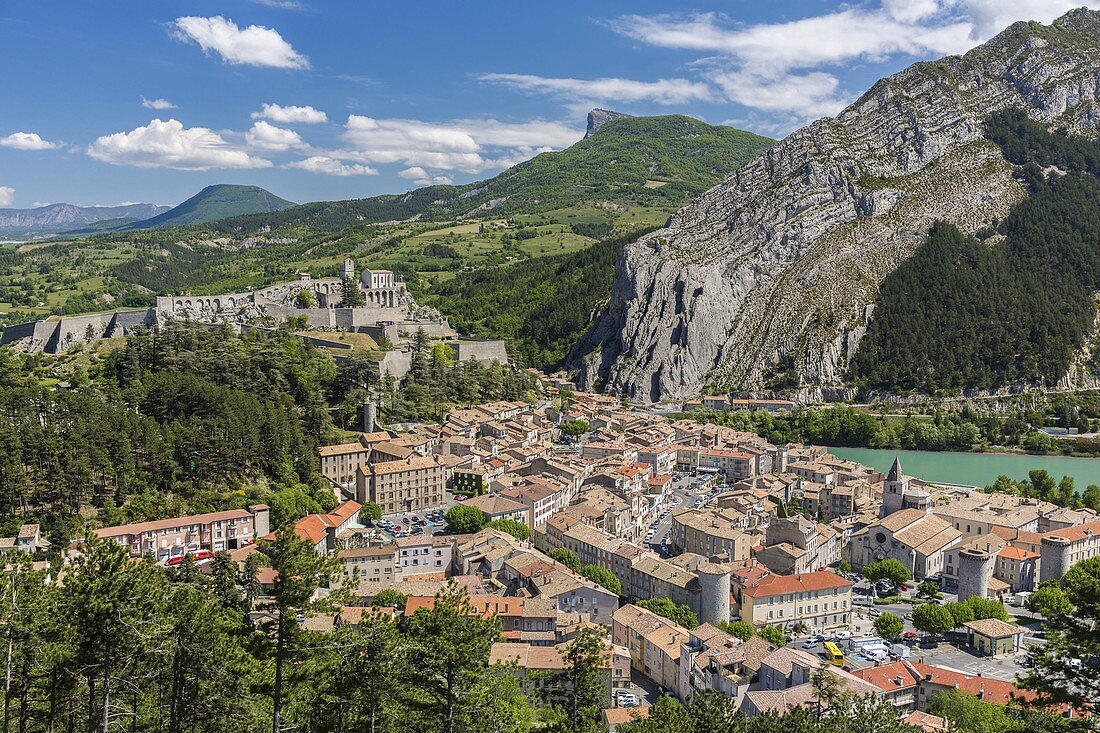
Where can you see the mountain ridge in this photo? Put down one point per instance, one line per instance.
(54, 218)
(618, 165)
(780, 263)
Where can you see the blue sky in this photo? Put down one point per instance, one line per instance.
(131, 100)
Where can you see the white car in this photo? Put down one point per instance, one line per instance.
(843, 635)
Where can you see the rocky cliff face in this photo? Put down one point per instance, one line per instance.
(597, 118)
(778, 266)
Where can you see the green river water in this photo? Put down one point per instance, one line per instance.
(975, 469)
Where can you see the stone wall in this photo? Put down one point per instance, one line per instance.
(466, 349)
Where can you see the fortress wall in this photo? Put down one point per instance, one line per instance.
(18, 331)
(127, 321)
(479, 350)
(317, 317)
(72, 330)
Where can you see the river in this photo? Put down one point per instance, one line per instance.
(975, 469)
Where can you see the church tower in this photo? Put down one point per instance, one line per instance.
(347, 270)
(893, 489)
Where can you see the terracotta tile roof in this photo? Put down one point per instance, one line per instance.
(618, 716)
(1015, 553)
(895, 676)
(484, 605)
(159, 524)
(774, 585)
(926, 721)
(1079, 532)
(987, 688)
(342, 449)
(993, 628)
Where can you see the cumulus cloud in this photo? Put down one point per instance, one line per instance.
(171, 145)
(421, 177)
(468, 146)
(7, 195)
(27, 141)
(784, 69)
(290, 114)
(610, 89)
(254, 45)
(159, 103)
(269, 137)
(332, 167)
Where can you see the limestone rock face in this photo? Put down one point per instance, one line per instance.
(777, 268)
(597, 118)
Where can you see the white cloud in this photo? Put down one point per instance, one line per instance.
(332, 167)
(290, 114)
(280, 4)
(661, 91)
(251, 46)
(421, 177)
(469, 146)
(786, 69)
(171, 145)
(269, 137)
(27, 141)
(7, 195)
(159, 103)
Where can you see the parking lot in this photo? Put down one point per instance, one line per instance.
(687, 490)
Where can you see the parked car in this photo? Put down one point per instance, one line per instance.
(843, 635)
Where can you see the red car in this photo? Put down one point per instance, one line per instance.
(910, 635)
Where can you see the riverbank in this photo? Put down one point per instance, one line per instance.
(974, 468)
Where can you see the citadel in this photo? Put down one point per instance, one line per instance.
(385, 311)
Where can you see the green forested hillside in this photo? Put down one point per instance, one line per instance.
(216, 202)
(1006, 309)
(540, 306)
(647, 161)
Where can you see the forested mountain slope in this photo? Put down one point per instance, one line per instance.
(1012, 307)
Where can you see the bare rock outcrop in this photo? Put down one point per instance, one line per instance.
(781, 262)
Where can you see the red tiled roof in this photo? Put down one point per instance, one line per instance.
(485, 605)
(774, 585)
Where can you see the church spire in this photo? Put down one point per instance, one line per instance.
(895, 470)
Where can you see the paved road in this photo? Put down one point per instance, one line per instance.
(685, 491)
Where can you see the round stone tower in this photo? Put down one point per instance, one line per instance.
(975, 570)
(1054, 562)
(715, 601)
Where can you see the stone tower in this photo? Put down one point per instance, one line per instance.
(347, 270)
(1054, 558)
(370, 414)
(893, 489)
(975, 570)
(714, 605)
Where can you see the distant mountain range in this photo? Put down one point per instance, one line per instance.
(54, 218)
(215, 202)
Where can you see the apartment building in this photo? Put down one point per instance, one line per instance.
(339, 462)
(712, 533)
(535, 666)
(820, 600)
(735, 465)
(494, 507)
(653, 643)
(374, 565)
(424, 554)
(539, 496)
(712, 659)
(164, 539)
(408, 485)
(324, 531)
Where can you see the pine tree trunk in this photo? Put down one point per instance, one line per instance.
(278, 702)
